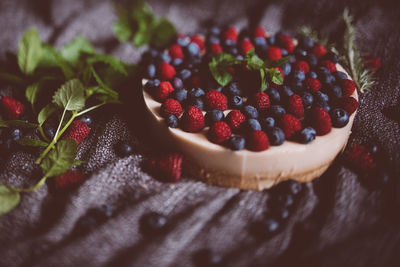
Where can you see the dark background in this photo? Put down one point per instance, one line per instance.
(336, 222)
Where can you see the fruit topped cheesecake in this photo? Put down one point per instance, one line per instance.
(249, 110)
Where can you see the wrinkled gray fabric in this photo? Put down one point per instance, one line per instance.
(337, 222)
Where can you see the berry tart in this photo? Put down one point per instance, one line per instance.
(246, 133)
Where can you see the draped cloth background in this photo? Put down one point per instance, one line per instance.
(337, 222)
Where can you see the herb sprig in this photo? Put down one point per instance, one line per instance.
(220, 64)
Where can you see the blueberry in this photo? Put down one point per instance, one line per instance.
(307, 99)
(15, 134)
(299, 76)
(153, 223)
(164, 57)
(307, 135)
(312, 74)
(212, 39)
(340, 75)
(267, 123)
(234, 89)
(215, 30)
(229, 43)
(276, 111)
(339, 117)
(151, 85)
(49, 131)
(236, 142)
(239, 57)
(193, 49)
(176, 62)
(236, 102)
(233, 50)
(123, 149)
(250, 112)
(183, 42)
(151, 71)
(271, 40)
(251, 125)
(276, 136)
(284, 52)
(322, 70)
(327, 78)
(196, 102)
(274, 95)
(332, 57)
(196, 92)
(177, 83)
(300, 53)
(260, 43)
(286, 91)
(321, 97)
(306, 42)
(335, 92)
(297, 86)
(213, 116)
(206, 257)
(172, 121)
(311, 60)
(86, 119)
(324, 105)
(149, 55)
(180, 95)
(286, 68)
(185, 74)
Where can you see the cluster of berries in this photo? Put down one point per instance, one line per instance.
(314, 97)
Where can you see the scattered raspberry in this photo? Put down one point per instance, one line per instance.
(216, 100)
(78, 130)
(215, 49)
(163, 91)
(313, 85)
(274, 53)
(168, 166)
(302, 66)
(289, 125)
(231, 34)
(246, 46)
(261, 101)
(175, 51)
(219, 132)
(295, 106)
(259, 32)
(321, 121)
(193, 120)
(12, 108)
(360, 158)
(167, 71)
(329, 65)
(286, 42)
(348, 87)
(258, 141)
(68, 180)
(372, 62)
(171, 106)
(197, 39)
(319, 50)
(235, 119)
(348, 103)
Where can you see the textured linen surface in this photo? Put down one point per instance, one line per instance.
(337, 222)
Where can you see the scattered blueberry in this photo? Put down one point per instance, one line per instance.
(286, 91)
(214, 30)
(276, 111)
(164, 57)
(236, 142)
(213, 40)
(335, 92)
(286, 68)
(233, 50)
(86, 119)
(339, 75)
(299, 75)
(250, 112)
(322, 70)
(321, 97)
(332, 57)
(312, 60)
(183, 42)
(234, 89)
(197, 102)
(176, 62)
(185, 74)
(213, 116)
(260, 43)
(180, 95)
(172, 121)
(267, 123)
(306, 42)
(307, 135)
(307, 99)
(123, 149)
(251, 125)
(339, 117)
(15, 134)
(236, 102)
(177, 83)
(153, 223)
(276, 136)
(312, 74)
(284, 52)
(274, 95)
(151, 71)
(324, 105)
(152, 84)
(271, 40)
(300, 53)
(49, 131)
(193, 49)
(196, 92)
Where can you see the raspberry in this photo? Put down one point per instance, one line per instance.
(289, 125)
(360, 158)
(246, 46)
(372, 62)
(163, 91)
(235, 119)
(321, 121)
(216, 100)
(348, 103)
(319, 50)
(231, 34)
(219, 132)
(302, 66)
(215, 49)
(68, 180)
(167, 71)
(197, 39)
(259, 32)
(348, 87)
(313, 85)
(329, 65)
(171, 107)
(168, 166)
(193, 120)
(175, 51)
(12, 108)
(78, 130)
(274, 53)
(258, 141)
(286, 42)
(295, 106)
(261, 101)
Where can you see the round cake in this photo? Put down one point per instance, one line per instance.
(251, 138)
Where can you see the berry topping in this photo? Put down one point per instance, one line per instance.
(349, 104)
(274, 53)
(329, 65)
(276, 136)
(261, 101)
(307, 135)
(348, 87)
(286, 42)
(231, 34)
(259, 32)
(172, 121)
(197, 39)
(234, 119)
(216, 100)
(193, 120)
(171, 107)
(215, 49)
(321, 121)
(302, 66)
(246, 46)
(339, 117)
(175, 51)
(289, 125)
(295, 106)
(258, 141)
(250, 112)
(163, 91)
(167, 71)
(219, 132)
(214, 116)
(78, 130)
(312, 84)
(236, 142)
(319, 50)
(12, 108)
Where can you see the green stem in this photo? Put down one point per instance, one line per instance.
(89, 109)
(59, 125)
(42, 133)
(29, 189)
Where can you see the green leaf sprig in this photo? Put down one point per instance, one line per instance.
(220, 64)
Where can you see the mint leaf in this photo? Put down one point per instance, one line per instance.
(253, 61)
(264, 83)
(113, 62)
(17, 124)
(73, 50)
(122, 29)
(9, 199)
(29, 51)
(70, 96)
(276, 63)
(60, 159)
(106, 89)
(275, 76)
(32, 92)
(45, 113)
(219, 67)
(163, 32)
(32, 142)
(53, 58)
